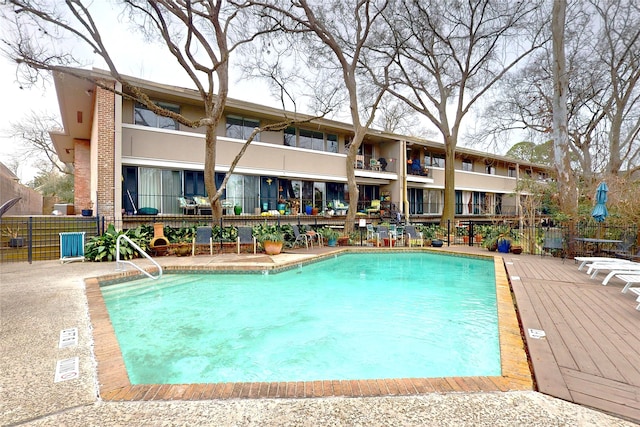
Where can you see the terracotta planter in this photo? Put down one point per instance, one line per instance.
(182, 249)
(343, 241)
(272, 248)
(516, 249)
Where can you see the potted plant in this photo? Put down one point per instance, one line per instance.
(15, 241)
(330, 235)
(504, 244)
(88, 211)
(237, 209)
(516, 247)
(271, 239)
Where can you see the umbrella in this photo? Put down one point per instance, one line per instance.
(599, 212)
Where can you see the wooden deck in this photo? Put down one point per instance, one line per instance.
(591, 352)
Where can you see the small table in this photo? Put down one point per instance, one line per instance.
(597, 241)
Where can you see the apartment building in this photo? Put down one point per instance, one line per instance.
(126, 158)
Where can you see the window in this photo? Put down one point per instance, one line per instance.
(290, 137)
(241, 128)
(542, 176)
(490, 169)
(145, 117)
(437, 160)
(512, 172)
(467, 165)
(159, 188)
(310, 140)
(332, 143)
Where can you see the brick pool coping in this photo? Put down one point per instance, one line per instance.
(114, 384)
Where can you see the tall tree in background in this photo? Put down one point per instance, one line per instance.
(451, 54)
(601, 40)
(566, 181)
(200, 36)
(54, 178)
(337, 35)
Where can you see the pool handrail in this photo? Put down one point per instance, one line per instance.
(119, 262)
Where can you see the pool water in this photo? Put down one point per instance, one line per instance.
(356, 316)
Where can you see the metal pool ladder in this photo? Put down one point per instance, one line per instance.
(120, 267)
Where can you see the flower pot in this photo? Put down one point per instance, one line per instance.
(516, 249)
(504, 246)
(182, 249)
(308, 210)
(332, 242)
(237, 209)
(271, 247)
(314, 211)
(16, 242)
(436, 243)
(343, 241)
(87, 212)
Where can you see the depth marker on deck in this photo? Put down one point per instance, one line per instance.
(67, 369)
(68, 338)
(536, 333)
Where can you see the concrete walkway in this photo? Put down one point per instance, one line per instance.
(37, 301)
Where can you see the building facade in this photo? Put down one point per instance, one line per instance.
(127, 158)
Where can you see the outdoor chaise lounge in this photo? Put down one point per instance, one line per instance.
(630, 279)
(584, 260)
(637, 292)
(596, 267)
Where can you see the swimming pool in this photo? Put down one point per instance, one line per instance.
(387, 315)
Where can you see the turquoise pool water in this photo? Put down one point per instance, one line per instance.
(357, 316)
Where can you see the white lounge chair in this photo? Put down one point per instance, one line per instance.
(584, 260)
(623, 270)
(637, 292)
(596, 267)
(630, 279)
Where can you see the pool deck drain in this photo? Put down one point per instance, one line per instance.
(114, 384)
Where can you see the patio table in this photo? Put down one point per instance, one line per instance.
(597, 242)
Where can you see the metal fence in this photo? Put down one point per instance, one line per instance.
(37, 237)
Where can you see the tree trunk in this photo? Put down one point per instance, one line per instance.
(210, 172)
(449, 206)
(566, 187)
(354, 194)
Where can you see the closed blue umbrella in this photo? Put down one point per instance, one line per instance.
(599, 212)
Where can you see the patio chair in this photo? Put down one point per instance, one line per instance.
(623, 249)
(637, 292)
(203, 237)
(586, 260)
(382, 233)
(553, 240)
(374, 208)
(374, 165)
(245, 237)
(187, 206)
(413, 235)
(299, 237)
(202, 204)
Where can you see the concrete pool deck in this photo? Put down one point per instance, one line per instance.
(37, 301)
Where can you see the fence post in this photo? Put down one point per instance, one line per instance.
(30, 237)
(471, 233)
(448, 232)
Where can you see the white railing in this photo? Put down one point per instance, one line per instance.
(120, 267)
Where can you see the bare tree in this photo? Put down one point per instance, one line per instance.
(37, 147)
(200, 36)
(566, 181)
(450, 54)
(601, 45)
(337, 35)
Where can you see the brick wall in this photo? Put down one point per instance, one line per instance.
(82, 175)
(105, 109)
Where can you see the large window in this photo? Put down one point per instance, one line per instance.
(512, 172)
(431, 159)
(241, 128)
(243, 190)
(432, 201)
(145, 117)
(310, 140)
(467, 165)
(160, 189)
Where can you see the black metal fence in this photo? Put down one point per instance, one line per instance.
(38, 237)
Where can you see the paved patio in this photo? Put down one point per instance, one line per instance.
(37, 301)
